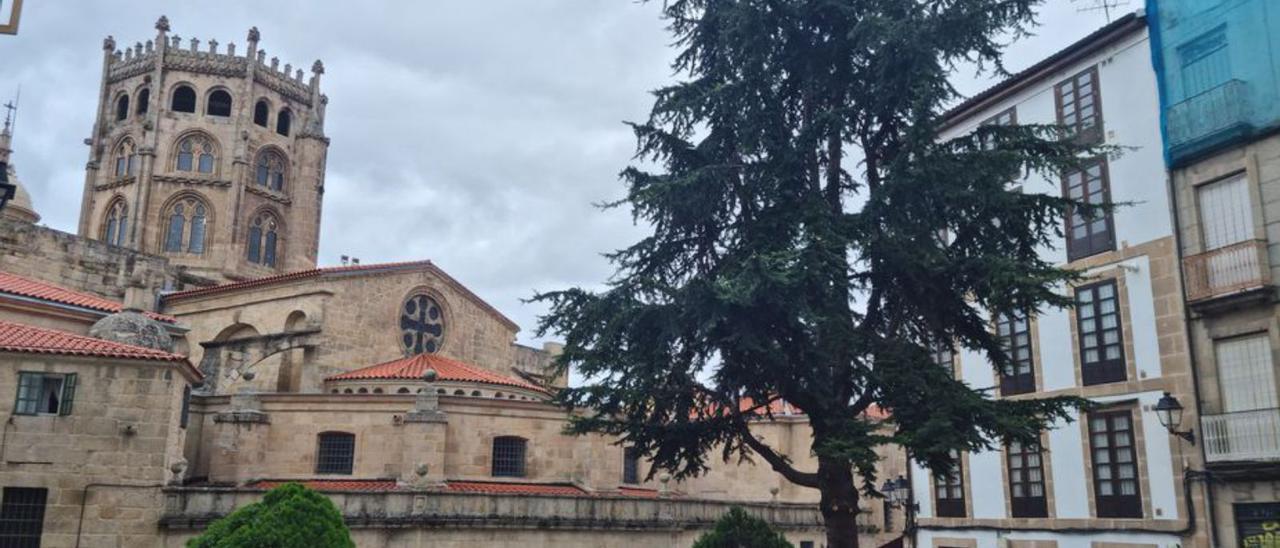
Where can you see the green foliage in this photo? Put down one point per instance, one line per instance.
(289, 516)
(813, 237)
(738, 529)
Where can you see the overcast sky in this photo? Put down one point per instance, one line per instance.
(476, 134)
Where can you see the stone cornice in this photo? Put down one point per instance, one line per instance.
(205, 63)
(291, 89)
(117, 183)
(270, 195)
(192, 181)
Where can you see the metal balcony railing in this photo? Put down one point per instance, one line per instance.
(1222, 108)
(1242, 436)
(1226, 270)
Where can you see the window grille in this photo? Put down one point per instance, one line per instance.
(22, 517)
(1101, 336)
(336, 453)
(508, 456)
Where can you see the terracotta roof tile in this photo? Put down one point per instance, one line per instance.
(36, 289)
(505, 488)
(412, 368)
(16, 337)
(332, 485)
(336, 271)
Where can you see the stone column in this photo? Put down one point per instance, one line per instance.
(425, 439)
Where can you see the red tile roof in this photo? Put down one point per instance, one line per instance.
(505, 488)
(15, 337)
(336, 271)
(412, 368)
(35, 289)
(376, 485)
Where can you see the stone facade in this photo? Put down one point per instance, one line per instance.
(137, 169)
(107, 458)
(1235, 324)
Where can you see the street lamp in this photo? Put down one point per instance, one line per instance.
(7, 189)
(1169, 411)
(897, 491)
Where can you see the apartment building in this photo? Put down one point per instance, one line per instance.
(1220, 105)
(1114, 476)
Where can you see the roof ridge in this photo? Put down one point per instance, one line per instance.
(10, 283)
(7, 327)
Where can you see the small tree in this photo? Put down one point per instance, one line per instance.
(813, 238)
(289, 516)
(738, 529)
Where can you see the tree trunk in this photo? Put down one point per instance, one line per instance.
(839, 503)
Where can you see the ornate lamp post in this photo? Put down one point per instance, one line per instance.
(1169, 411)
(897, 494)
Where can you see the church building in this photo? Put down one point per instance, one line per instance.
(184, 352)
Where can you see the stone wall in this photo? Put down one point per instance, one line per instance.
(358, 317)
(107, 458)
(420, 519)
(84, 265)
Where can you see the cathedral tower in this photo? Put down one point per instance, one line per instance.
(213, 159)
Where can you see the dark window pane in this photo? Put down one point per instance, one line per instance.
(1018, 376)
(336, 453)
(948, 490)
(260, 113)
(1026, 481)
(22, 517)
(283, 120)
(508, 457)
(184, 99)
(1115, 466)
(1100, 333)
(219, 103)
(630, 465)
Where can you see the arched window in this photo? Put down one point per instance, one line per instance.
(187, 220)
(219, 103)
(508, 457)
(261, 112)
(144, 101)
(117, 223)
(336, 453)
(270, 172)
(403, 390)
(263, 239)
(126, 158)
(282, 122)
(184, 99)
(196, 153)
(122, 107)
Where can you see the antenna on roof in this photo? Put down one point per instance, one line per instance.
(1105, 5)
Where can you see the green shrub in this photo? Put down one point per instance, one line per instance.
(289, 516)
(738, 529)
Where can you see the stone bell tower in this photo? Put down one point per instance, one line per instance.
(211, 158)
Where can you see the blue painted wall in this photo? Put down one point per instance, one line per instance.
(1216, 65)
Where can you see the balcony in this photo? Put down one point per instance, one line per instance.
(1208, 119)
(1237, 269)
(1242, 436)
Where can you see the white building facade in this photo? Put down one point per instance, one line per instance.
(1114, 476)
